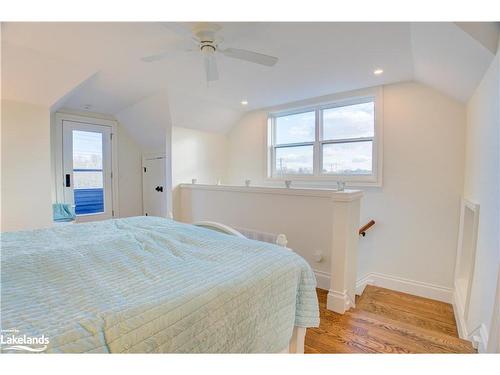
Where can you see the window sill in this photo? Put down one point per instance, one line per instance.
(325, 182)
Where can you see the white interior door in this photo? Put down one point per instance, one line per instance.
(154, 186)
(87, 170)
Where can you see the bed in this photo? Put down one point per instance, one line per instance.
(153, 285)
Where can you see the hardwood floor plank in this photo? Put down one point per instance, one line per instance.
(437, 310)
(385, 321)
(426, 321)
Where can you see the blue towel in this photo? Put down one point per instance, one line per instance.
(63, 212)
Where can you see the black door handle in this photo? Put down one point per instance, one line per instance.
(68, 180)
(159, 188)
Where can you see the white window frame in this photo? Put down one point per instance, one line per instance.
(60, 117)
(317, 177)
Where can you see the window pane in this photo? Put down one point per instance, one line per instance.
(294, 160)
(295, 128)
(87, 150)
(89, 192)
(352, 121)
(353, 158)
(87, 172)
(83, 179)
(89, 201)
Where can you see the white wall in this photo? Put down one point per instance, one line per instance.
(129, 175)
(417, 208)
(149, 123)
(26, 174)
(482, 186)
(197, 154)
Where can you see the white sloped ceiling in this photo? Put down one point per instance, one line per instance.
(72, 65)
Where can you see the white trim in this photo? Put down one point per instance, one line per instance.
(362, 283)
(400, 284)
(461, 298)
(338, 196)
(115, 170)
(483, 341)
(479, 338)
(458, 308)
(338, 301)
(417, 288)
(58, 153)
(322, 279)
(317, 105)
(464, 304)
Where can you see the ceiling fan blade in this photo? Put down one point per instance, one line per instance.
(255, 57)
(211, 68)
(166, 54)
(157, 57)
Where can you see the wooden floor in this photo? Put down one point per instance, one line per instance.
(385, 321)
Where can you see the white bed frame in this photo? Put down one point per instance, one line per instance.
(296, 344)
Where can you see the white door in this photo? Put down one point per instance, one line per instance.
(154, 186)
(87, 170)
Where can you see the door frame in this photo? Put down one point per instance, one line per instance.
(60, 117)
(150, 156)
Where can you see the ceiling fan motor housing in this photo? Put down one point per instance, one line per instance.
(208, 47)
(205, 33)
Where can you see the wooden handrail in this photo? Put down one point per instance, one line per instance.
(364, 228)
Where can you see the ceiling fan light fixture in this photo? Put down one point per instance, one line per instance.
(205, 36)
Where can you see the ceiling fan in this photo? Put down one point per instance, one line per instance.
(204, 35)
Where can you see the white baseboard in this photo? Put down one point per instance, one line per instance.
(458, 311)
(338, 301)
(479, 338)
(362, 283)
(417, 288)
(322, 279)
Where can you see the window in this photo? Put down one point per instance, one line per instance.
(326, 142)
(88, 187)
(295, 135)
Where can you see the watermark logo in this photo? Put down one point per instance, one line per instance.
(11, 340)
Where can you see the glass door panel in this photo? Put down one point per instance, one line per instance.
(88, 184)
(87, 168)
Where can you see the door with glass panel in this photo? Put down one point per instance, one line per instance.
(87, 170)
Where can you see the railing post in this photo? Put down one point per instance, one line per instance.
(344, 251)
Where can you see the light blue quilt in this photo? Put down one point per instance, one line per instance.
(148, 284)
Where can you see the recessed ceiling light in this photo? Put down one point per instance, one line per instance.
(244, 102)
(87, 106)
(378, 72)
